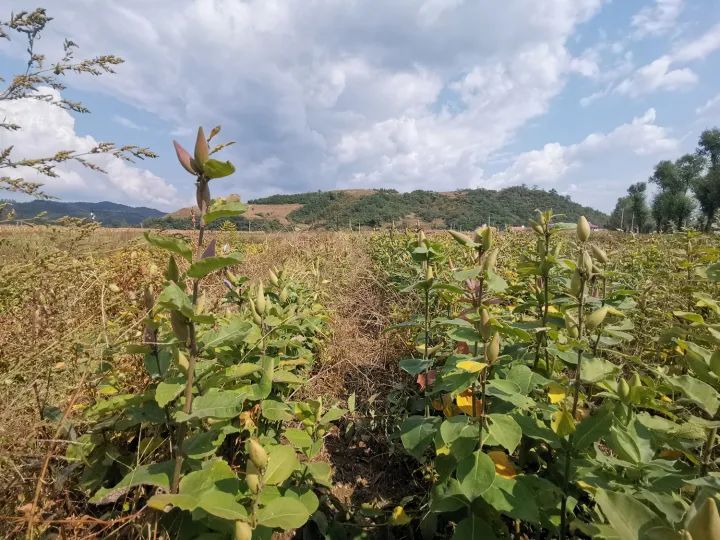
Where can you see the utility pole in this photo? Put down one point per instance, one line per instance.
(622, 218)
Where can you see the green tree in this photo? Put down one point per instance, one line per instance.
(672, 204)
(639, 211)
(707, 187)
(34, 83)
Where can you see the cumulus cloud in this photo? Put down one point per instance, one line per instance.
(331, 94)
(47, 129)
(657, 19)
(590, 168)
(710, 107)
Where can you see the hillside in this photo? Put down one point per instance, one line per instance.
(465, 209)
(109, 214)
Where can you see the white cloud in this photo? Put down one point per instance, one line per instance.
(711, 106)
(591, 169)
(657, 19)
(126, 122)
(47, 129)
(333, 93)
(698, 48)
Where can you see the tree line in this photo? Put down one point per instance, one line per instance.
(688, 192)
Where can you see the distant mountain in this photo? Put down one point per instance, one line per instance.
(109, 214)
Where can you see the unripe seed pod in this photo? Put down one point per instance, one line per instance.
(490, 260)
(705, 525)
(582, 229)
(172, 273)
(635, 381)
(623, 389)
(274, 279)
(252, 477)
(260, 302)
(573, 331)
(485, 327)
(596, 318)
(201, 304)
(183, 157)
(486, 235)
(460, 238)
(243, 531)
(538, 228)
(492, 350)
(284, 295)
(599, 254)
(715, 363)
(258, 455)
(477, 235)
(576, 285)
(179, 325)
(202, 152)
(421, 237)
(587, 264)
(429, 274)
(182, 362)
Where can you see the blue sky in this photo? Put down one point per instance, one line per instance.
(583, 96)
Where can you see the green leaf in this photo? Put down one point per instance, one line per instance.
(214, 168)
(203, 267)
(447, 497)
(495, 283)
(476, 473)
(505, 430)
(629, 517)
(417, 433)
(415, 366)
(276, 411)
(596, 369)
(165, 392)
(472, 528)
(173, 297)
(320, 472)
(592, 429)
(282, 462)
(700, 393)
(335, 413)
(223, 209)
(713, 272)
(283, 513)
(175, 245)
(216, 403)
(155, 474)
(299, 438)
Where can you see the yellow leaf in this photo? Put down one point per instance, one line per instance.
(562, 423)
(585, 486)
(444, 401)
(443, 451)
(663, 397)
(503, 466)
(464, 402)
(556, 393)
(553, 309)
(471, 366)
(399, 517)
(451, 410)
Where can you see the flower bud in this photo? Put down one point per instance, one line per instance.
(538, 228)
(172, 273)
(486, 235)
(587, 264)
(283, 295)
(599, 254)
(596, 318)
(202, 152)
(492, 350)
(258, 455)
(260, 302)
(421, 238)
(576, 285)
(460, 238)
(274, 279)
(243, 531)
(485, 327)
(705, 524)
(182, 362)
(583, 229)
(183, 157)
(429, 274)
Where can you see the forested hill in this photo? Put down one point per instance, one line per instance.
(465, 209)
(108, 214)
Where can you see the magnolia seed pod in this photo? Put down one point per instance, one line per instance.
(429, 273)
(493, 348)
(260, 302)
(183, 157)
(252, 477)
(715, 363)
(599, 254)
(421, 238)
(635, 381)
(243, 531)
(284, 295)
(596, 318)
(587, 263)
(201, 304)
(477, 235)
(705, 525)
(460, 238)
(623, 389)
(486, 235)
(542, 220)
(576, 285)
(202, 152)
(538, 228)
(485, 327)
(179, 325)
(573, 331)
(582, 229)
(172, 273)
(274, 279)
(258, 455)
(490, 260)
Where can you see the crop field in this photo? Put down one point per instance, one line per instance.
(546, 383)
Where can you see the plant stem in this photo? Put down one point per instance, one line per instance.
(707, 451)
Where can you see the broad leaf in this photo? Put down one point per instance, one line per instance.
(505, 430)
(213, 168)
(476, 473)
(283, 513)
(417, 433)
(175, 245)
(282, 462)
(203, 267)
(224, 209)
